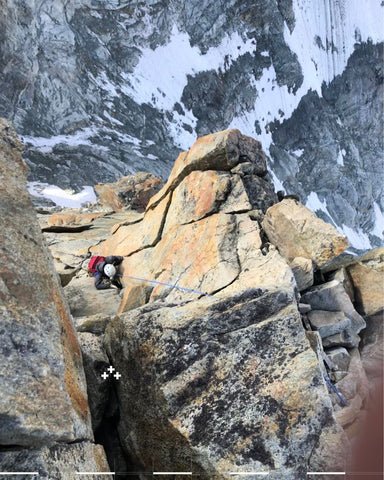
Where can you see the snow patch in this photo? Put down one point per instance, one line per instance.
(299, 152)
(357, 238)
(314, 204)
(45, 144)
(62, 198)
(113, 120)
(325, 34)
(105, 84)
(161, 74)
(340, 158)
(378, 230)
(276, 182)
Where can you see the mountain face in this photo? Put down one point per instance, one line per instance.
(102, 88)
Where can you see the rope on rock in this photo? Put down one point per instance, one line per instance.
(166, 284)
(334, 389)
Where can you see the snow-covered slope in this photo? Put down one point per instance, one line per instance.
(102, 88)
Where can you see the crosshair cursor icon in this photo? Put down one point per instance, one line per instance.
(110, 369)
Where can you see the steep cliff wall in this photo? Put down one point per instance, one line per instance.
(43, 402)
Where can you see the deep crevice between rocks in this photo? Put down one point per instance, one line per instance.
(107, 435)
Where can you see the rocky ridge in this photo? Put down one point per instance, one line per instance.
(230, 379)
(235, 381)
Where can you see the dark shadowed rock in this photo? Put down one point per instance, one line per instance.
(346, 338)
(332, 297)
(95, 364)
(328, 323)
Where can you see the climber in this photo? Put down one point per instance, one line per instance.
(106, 273)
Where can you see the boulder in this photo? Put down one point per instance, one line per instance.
(43, 399)
(343, 277)
(95, 324)
(130, 192)
(220, 384)
(220, 151)
(302, 269)
(332, 297)
(340, 357)
(70, 247)
(328, 323)
(84, 300)
(297, 232)
(347, 338)
(197, 232)
(134, 237)
(367, 275)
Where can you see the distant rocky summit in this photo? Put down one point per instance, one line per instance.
(244, 340)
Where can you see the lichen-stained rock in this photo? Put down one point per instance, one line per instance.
(218, 151)
(227, 384)
(368, 280)
(58, 462)
(131, 192)
(43, 396)
(297, 232)
(261, 192)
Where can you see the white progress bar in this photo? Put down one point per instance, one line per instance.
(325, 473)
(95, 473)
(19, 473)
(248, 473)
(172, 473)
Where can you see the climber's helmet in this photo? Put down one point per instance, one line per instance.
(109, 270)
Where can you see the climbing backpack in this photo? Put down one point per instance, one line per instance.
(93, 263)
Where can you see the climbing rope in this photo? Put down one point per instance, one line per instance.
(334, 389)
(166, 284)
